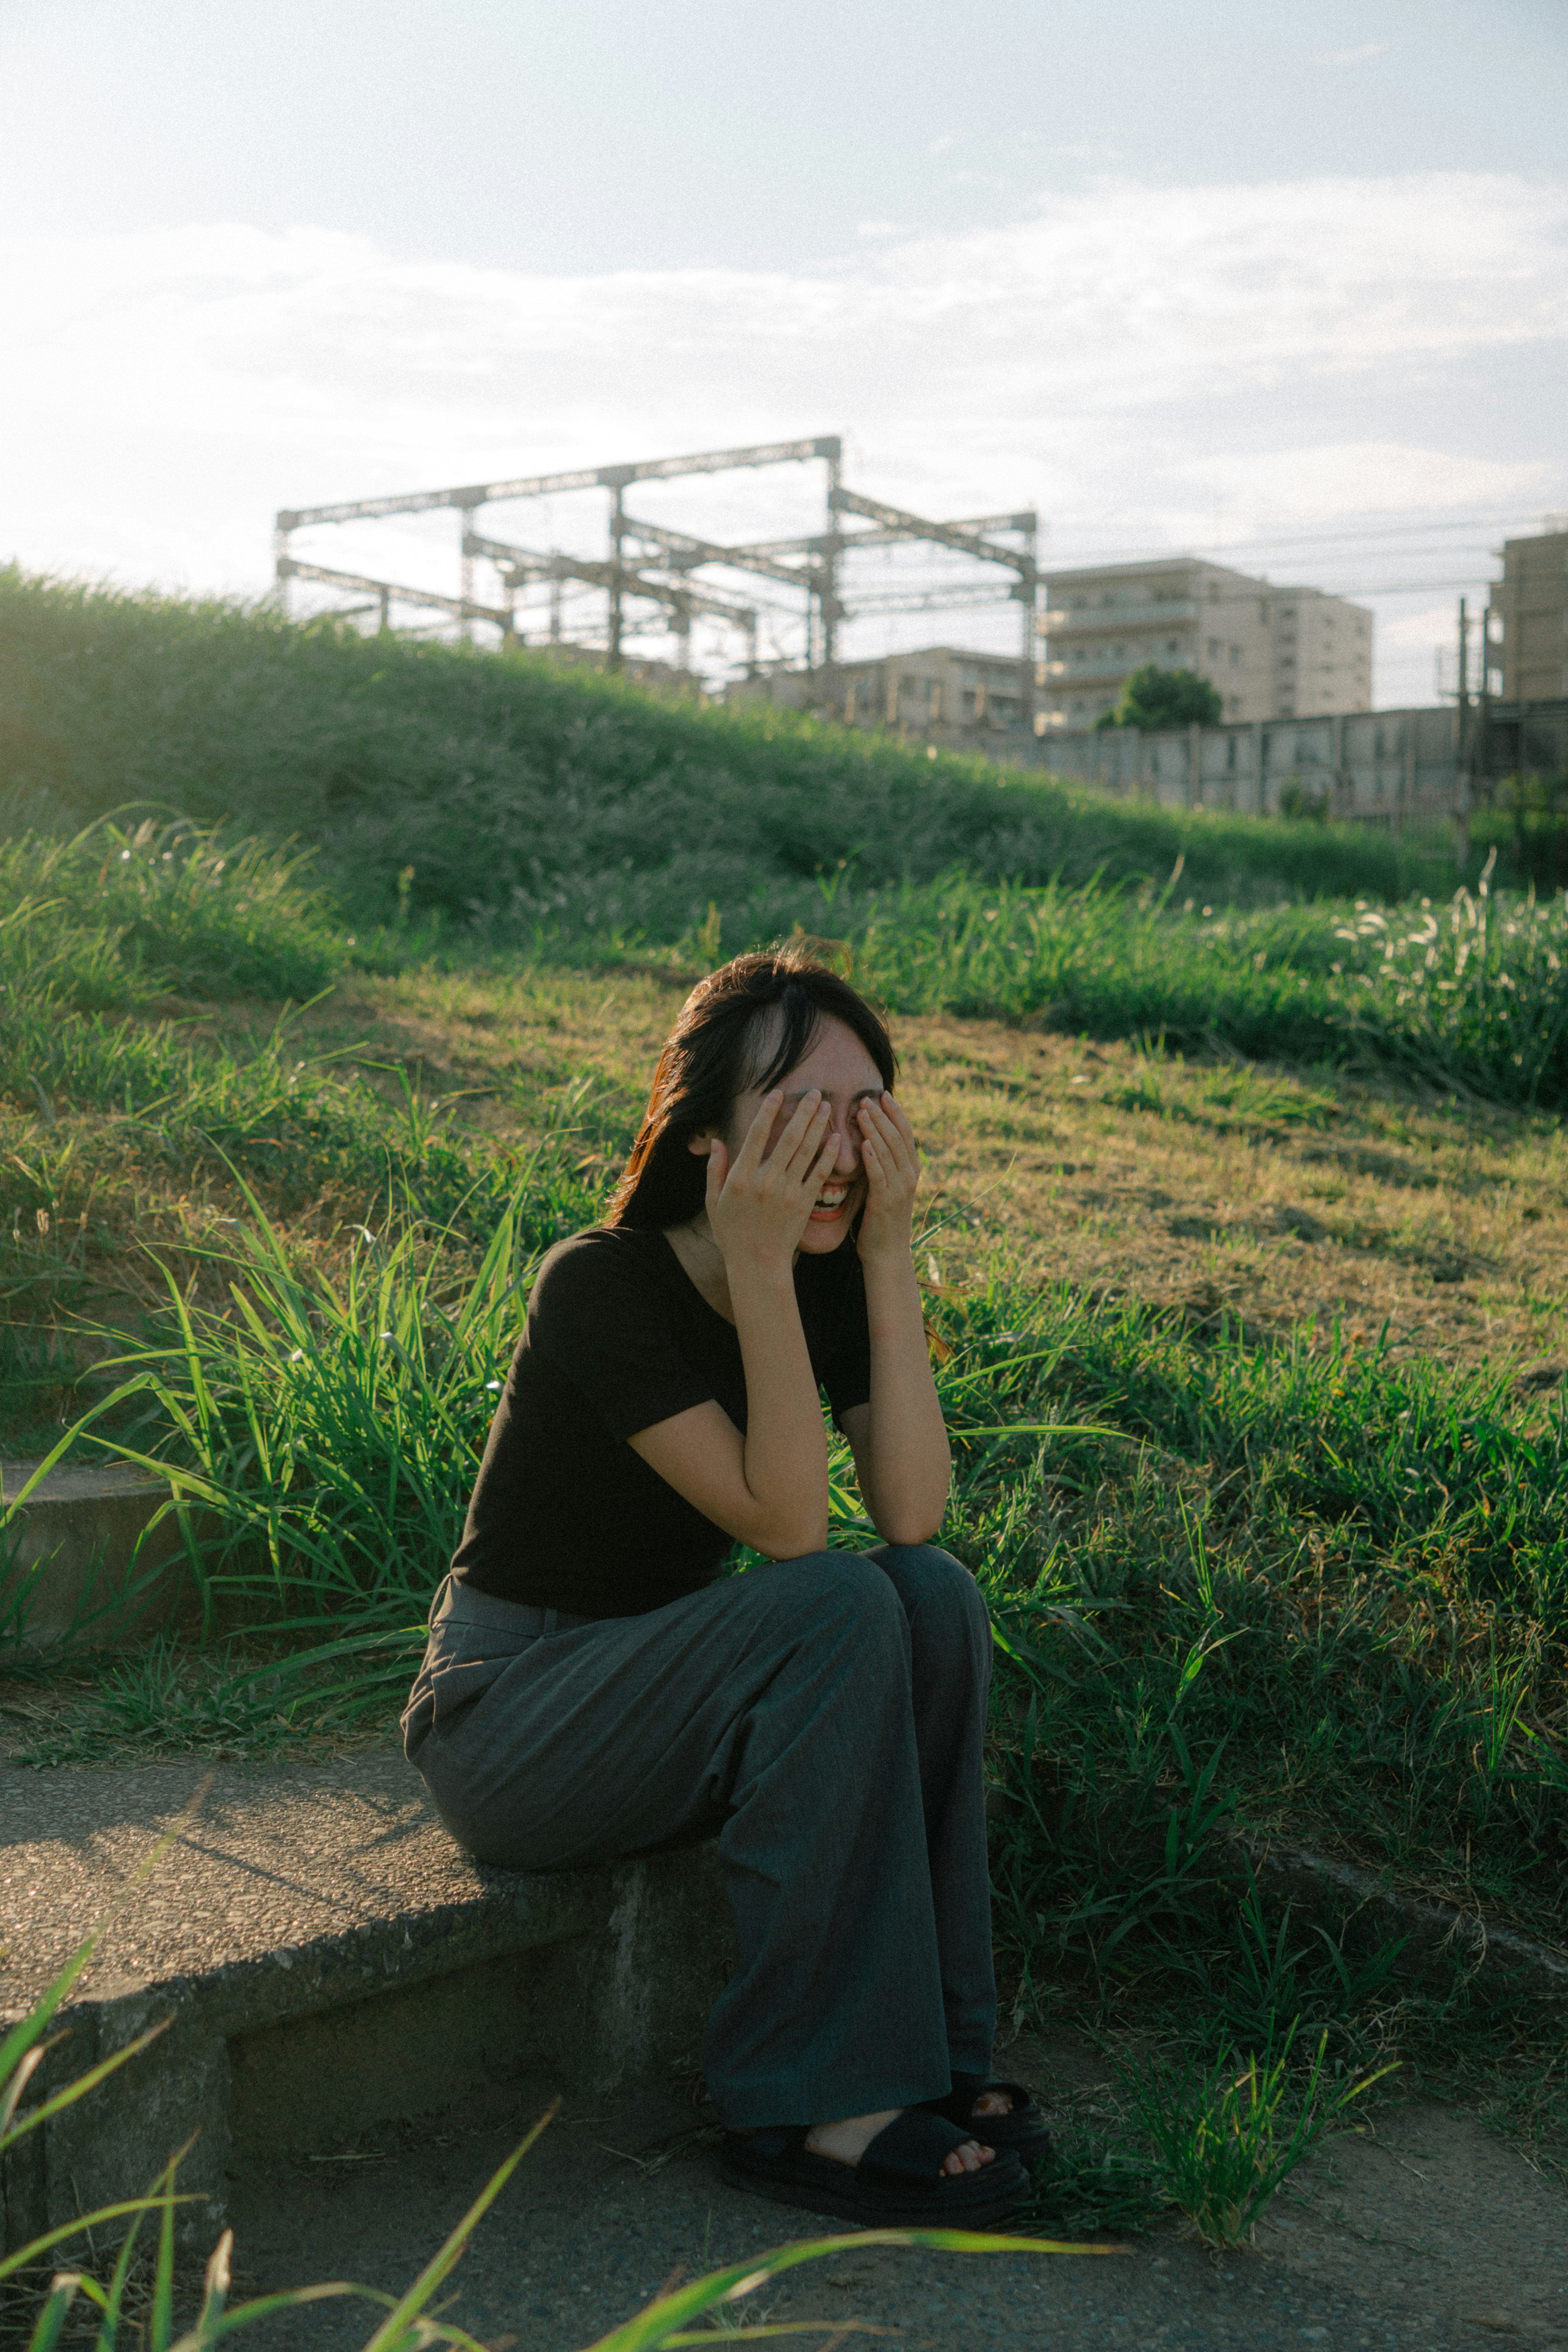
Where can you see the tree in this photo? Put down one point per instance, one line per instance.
(1153, 697)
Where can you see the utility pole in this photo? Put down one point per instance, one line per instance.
(466, 578)
(1462, 747)
(617, 482)
(281, 567)
(1027, 590)
(827, 576)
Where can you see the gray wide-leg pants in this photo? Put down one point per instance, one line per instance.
(823, 1717)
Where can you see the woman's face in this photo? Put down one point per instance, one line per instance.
(836, 1062)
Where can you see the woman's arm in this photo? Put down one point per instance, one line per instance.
(898, 1439)
(769, 1487)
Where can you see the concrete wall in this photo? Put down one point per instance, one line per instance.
(1384, 766)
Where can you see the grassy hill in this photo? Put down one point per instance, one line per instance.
(518, 789)
(1294, 1568)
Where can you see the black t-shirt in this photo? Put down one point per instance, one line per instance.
(618, 1337)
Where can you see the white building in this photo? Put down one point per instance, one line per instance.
(1527, 626)
(1269, 652)
(950, 696)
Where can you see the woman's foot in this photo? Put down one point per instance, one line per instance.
(1006, 2114)
(847, 2140)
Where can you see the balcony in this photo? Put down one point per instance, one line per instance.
(1078, 620)
(1094, 672)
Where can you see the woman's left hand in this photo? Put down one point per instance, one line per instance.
(891, 1159)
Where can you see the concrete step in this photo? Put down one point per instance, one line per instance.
(80, 1555)
(330, 1963)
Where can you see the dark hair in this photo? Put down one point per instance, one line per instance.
(708, 1060)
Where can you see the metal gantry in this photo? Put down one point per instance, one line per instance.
(650, 563)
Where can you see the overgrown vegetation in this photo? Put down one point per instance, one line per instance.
(1303, 1583)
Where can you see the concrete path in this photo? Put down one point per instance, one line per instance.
(1429, 2236)
(297, 1886)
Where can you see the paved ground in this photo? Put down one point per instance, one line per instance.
(275, 1857)
(1427, 2236)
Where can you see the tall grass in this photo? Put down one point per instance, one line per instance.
(531, 793)
(335, 1423)
(114, 915)
(1302, 1584)
(1472, 995)
(98, 931)
(1310, 1590)
(1228, 2136)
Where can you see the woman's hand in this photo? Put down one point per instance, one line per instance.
(757, 1208)
(891, 1159)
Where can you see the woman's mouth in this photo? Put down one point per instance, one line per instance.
(831, 1204)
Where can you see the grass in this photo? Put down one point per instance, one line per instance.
(1298, 1590)
(1313, 1583)
(131, 967)
(1317, 1563)
(1227, 2138)
(1471, 997)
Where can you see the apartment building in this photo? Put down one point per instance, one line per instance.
(1527, 620)
(947, 694)
(1269, 652)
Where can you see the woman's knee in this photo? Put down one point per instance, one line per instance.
(928, 1576)
(848, 1582)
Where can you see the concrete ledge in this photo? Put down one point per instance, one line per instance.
(1435, 1935)
(329, 1960)
(78, 1556)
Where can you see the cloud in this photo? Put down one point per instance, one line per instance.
(880, 229)
(1357, 57)
(1357, 480)
(948, 140)
(1105, 357)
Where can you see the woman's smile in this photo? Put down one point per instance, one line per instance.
(833, 1202)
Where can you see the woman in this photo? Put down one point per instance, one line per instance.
(594, 1688)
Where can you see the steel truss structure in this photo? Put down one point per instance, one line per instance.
(649, 563)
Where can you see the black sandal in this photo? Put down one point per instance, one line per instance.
(1021, 2132)
(898, 2183)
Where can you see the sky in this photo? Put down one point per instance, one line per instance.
(1282, 284)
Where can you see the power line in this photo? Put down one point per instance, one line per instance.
(1309, 539)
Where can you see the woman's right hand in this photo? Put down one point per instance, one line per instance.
(759, 1206)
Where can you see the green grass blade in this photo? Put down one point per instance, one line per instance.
(82, 2084)
(653, 2326)
(19, 2257)
(57, 2307)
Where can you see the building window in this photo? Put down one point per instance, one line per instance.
(1214, 649)
(1235, 656)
